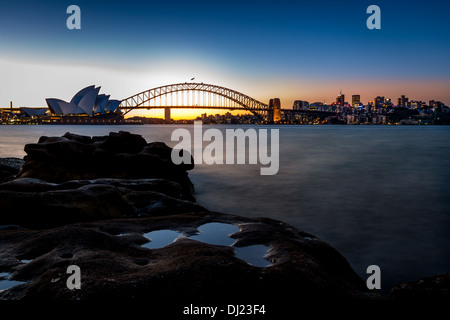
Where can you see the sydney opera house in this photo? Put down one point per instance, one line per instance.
(86, 107)
(87, 101)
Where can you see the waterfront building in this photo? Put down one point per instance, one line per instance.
(378, 102)
(356, 100)
(340, 99)
(403, 101)
(300, 105)
(437, 105)
(417, 104)
(388, 103)
(34, 112)
(87, 101)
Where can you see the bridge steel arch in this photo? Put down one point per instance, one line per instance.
(143, 99)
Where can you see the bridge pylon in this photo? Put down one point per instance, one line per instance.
(274, 111)
(167, 114)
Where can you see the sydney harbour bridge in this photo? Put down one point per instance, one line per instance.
(191, 95)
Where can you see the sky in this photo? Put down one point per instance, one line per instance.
(293, 50)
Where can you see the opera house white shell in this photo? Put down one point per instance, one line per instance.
(86, 101)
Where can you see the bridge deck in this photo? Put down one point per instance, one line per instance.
(222, 108)
(191, 107)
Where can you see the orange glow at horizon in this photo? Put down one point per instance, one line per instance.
(181, 114)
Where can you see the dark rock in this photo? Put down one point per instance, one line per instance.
(9, 168)
(166, 187)
(430, 289)
(118, 267)
(122, 142)
(120, 155)
(78, 138)
(36, 204)
(28, 185)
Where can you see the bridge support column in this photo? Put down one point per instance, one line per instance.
(274, 112)
(270, 112)
(167, 115)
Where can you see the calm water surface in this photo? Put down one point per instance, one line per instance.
(378, 194)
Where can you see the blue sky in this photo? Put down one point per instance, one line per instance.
(287, 49)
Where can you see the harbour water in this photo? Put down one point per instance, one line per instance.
(378, 194)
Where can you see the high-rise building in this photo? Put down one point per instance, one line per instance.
(356, 99)
(340, 99)
(438, 105)
(416, 104)
(402, 101)
(300, 105)
(379, 102)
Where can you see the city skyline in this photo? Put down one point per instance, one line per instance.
(294, 51)
(341, 99)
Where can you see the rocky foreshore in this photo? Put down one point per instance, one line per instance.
(91, 201)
